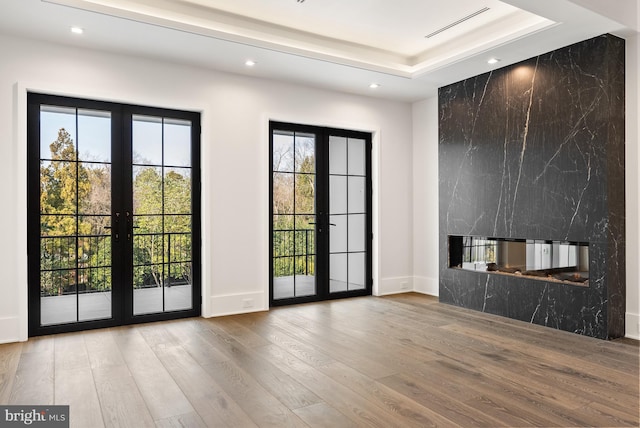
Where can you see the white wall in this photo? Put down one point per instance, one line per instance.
(425, 196)
(235, 113)
(632, 183)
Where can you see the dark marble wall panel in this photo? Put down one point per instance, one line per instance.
(536, 150)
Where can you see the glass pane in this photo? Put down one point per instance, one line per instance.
(148, 250)
(178, 247)
(94, 135)
(284, 286)
(356, 232)
(177, 191)
(145, 224)
(147, 289)
(305, 222)
(305, 281)
(178, 287)
(338, 234)
(58, 303)
(283, 244)
(357, 195)
(57, 132)
(337, 155)
(177, 224)
(283, 222)
(304, 245)
(95, 305)
(95, 197)
(58, 225)
(283, 193)
(283, 151)
(95, 225)
(357, 158)
(94, 297)
(338, 272)
(177, 142)
(147, 140)
(356, 271)
(305, 198)
(147, 190)
(178, 279)
(305, 153)
(57, 253)
(337, 194)
(58, 180)
(283, 267)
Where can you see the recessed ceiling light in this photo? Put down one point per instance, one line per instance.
(249, 63)
(77, 30)
(494, 60)
(374, 85)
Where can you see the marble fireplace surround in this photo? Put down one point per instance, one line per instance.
(536, 149)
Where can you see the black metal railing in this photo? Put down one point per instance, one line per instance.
(75, 263)
(82, 263)
(162, 259)
(294, 252)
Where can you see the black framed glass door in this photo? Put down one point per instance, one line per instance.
(112, 214)
(321, 228)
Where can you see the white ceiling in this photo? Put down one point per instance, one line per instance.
(333, 44)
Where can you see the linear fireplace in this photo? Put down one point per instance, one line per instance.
(560, 261)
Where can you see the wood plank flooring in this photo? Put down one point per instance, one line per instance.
(396, 361)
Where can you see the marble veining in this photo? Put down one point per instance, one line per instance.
(536, 150)
(527, 123)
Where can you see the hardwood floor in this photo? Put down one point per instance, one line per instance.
(397, 361)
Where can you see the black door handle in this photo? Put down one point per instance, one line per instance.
(116, 227)
(130, 226)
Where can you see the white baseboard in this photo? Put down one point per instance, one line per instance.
(632, 326)
(10, 330)
(401, 284)
(233, 304)
(425, 285)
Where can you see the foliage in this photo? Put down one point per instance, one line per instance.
(64, 184)
(152, 249)
(75, 207)
(294, 207)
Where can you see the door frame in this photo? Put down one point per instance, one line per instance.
(322, 199)
(119, 127)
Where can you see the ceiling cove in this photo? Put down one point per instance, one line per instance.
(372, 35)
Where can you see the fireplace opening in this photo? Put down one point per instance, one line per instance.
(559, 261)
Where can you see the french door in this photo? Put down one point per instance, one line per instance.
(113, 214)
(321, 228)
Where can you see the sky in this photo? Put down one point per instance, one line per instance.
(92, 135)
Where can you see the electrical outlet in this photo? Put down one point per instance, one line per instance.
(247, 303)
(404, 285)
